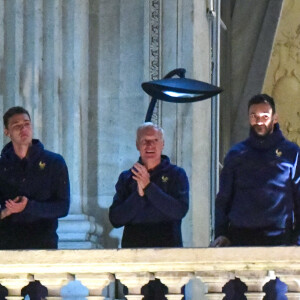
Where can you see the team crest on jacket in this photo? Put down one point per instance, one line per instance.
(278, 153)
(164, 179)
(42, 165)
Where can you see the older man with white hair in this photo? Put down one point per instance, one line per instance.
(152, 197)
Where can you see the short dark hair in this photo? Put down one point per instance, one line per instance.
(16, 110)
(262, 98)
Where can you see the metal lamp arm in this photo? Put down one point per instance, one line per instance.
(180, 72)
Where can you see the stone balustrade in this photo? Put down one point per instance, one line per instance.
(96, 269)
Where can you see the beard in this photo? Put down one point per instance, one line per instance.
(262, 130)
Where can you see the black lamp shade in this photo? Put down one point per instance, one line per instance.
(180, 90)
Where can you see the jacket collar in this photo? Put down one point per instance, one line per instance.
(164, 163)
(34, 151)
(266, 142)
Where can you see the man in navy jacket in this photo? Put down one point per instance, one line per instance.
(259, 196)
(258, 203)
(152, 197)
(151, 200)
(34, 187)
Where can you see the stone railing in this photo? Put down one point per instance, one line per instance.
(95, 269)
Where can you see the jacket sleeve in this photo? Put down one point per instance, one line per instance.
(57, 205)
(296, 195)
(224, 199)
(126, 203)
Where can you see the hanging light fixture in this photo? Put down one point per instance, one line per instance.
(177, 90)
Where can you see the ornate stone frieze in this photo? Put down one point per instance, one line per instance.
(154, 47)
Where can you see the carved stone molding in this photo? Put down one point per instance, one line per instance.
(154, 47)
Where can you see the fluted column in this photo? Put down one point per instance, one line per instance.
(77, 230)
(214, 282)
(134, 283)
(13, 20)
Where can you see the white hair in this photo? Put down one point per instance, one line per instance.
(147, 125)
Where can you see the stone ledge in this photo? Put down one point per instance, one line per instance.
(151, 260)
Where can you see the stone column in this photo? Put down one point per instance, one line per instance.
(77, 230)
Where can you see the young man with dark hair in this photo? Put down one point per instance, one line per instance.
(258, 203)
(34, 187)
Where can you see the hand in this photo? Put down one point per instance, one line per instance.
(221, 241)
(5, 213)
(142, 177)
(16, 205)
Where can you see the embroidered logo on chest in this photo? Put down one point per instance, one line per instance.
(164, 179)
(278, 153)
(42, 165)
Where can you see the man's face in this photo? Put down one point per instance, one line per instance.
(150, 145)
(19, 130)
(262, 119)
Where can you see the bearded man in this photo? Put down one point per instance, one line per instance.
(259, 195)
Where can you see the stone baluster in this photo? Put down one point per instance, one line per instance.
(214, 282)
(53, 282)
(95, 283)
(255, 281)
(174, 281)
(14, 284)
(293, 283)
(134, 283)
